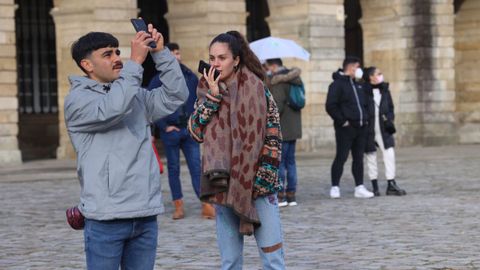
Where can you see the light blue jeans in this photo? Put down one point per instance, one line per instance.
(268, 235)
(129, 243)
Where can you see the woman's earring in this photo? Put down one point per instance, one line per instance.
(235, 68)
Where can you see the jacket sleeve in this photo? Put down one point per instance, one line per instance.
(391, 107)
(88, 113)
(332, 105)
(173, 92)
(202, 115)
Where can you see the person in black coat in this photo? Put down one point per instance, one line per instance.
(348, 107)
(380, 130)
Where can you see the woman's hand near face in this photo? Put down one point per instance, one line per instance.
(212, 83)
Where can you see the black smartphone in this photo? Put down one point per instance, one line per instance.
(202, 65)
(140, 25)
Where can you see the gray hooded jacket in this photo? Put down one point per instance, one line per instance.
(116, 165)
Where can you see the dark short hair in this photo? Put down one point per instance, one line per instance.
(85, 45)
(350, 60)
(275, 61)
(172, 46)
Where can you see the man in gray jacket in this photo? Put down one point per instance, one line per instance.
(108, 118)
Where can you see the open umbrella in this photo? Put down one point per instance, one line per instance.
(273, 47)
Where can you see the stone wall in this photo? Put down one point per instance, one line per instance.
(9, 152)
(74, 19)
(467, 62)
(194, 23)
(318, 27)
(412, 42)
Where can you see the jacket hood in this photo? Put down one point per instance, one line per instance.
(290, 76)
(82, 82)
(339, 75)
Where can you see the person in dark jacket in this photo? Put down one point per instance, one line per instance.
(347, 105)
(291, 122)
(381, 110)
(174, 135)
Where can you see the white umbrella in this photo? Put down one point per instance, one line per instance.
(273, 47)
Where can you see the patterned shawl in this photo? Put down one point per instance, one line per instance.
(233, 142)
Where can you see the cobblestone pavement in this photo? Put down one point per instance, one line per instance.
(436, 226)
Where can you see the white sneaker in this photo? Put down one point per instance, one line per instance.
(335, 192)
(282, 204)
(362, 192)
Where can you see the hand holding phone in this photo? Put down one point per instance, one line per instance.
(203, 66)
(140, 25)
(211, 75)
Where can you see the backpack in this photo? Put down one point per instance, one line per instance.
(296, 97)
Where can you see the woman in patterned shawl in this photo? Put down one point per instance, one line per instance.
(237, 121)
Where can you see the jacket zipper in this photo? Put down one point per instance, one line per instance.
(358, 101)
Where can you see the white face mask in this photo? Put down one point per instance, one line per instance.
(358, 73)
(380, 79)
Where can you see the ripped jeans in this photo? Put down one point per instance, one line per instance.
(268, 236)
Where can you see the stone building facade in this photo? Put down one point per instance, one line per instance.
(429, 50)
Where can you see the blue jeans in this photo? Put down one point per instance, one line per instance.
(288, 164)
(269, 234)
(129, 243)
(173, 142)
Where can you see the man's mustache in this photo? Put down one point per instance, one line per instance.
(118, 66)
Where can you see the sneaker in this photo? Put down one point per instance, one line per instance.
(335, 192)
(282, 200)
(291, 199)
(362, 192)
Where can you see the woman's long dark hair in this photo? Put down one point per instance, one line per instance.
(367, 72)
(239, 47)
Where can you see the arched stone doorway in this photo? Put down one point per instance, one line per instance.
(257, 27)
(37, 79)
(153, 12)
(353, 29)
(467, 60)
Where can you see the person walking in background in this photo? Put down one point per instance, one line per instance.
(108, 117)
(347, 106)
(279, 84)
(238, 122)
(381, 130)
(175, 137)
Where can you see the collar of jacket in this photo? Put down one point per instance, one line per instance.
(339, 75)
(86, 83)
(285, 76)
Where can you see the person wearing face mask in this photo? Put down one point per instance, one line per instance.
(379, 135)
(347, 106)
(238, 122)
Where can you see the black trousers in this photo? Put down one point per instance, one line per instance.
(349, 139)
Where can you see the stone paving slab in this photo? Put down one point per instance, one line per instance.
(436, 226)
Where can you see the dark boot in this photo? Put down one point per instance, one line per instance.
(393, 189)
(375, 191)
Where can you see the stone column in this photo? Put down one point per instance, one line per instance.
(467, 62)
(74, 19)
(318, 26)
(9, 151)
(412, 42)
(194, 23)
